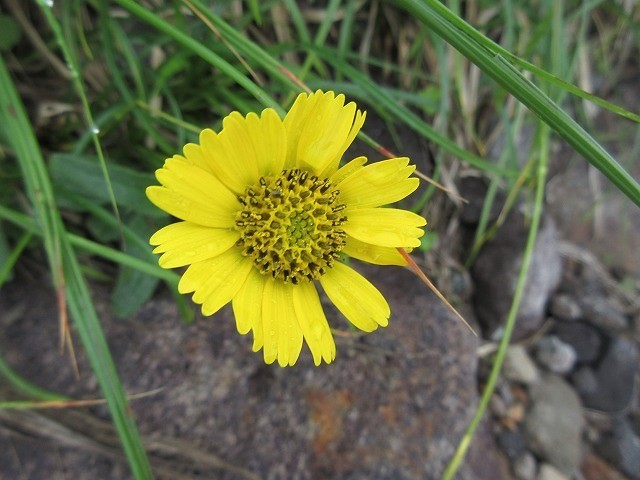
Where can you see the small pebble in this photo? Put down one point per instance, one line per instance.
(565, 307)
(615, 376)
(512, 443)
(549, 472)
(497, 406)
(604, 313)
(518, 366)
(554, 422)
(585, 339)
(622, 448)
(524, 468)
(585, 381)
(556, 355)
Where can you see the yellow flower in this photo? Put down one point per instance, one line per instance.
(267, 212)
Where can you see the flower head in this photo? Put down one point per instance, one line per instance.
(267, 213)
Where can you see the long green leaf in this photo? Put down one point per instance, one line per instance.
(198, 48)
(65, 267)
(94, 248)
(458, 33)
(386, 103)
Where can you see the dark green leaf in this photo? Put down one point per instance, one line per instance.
(83, 176)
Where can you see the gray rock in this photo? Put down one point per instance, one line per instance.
(601, 311)
(495, 273)
(615, 378)
(512, 443)
(519, 367)
(394, 404)
(498, 406)
(585, 381)
(565, 307)
(553, 425)
(622, 448)
(549, 472)
(474, 189)
(556, 355)
(524, 467)
(585, 339)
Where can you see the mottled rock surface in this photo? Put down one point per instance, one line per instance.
(393, 406)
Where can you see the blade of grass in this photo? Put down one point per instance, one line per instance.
(27, 387)
(62, 258)
(387, 103)
(254, 6)
(257, 54)
(442, 13)
(198, 48)
(94, 248)
(321, 36)
(45, 7)
(489, 388)
(109, 31)
(13, 257)
(456, 32)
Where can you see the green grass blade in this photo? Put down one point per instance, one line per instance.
(489, 388)
(254, 6)
(94, 248)
(26, 387)
(77, 81)
(430, 12)
(5, 269)
(66, 269)
(442, 13)
(198, 48)
(387, 103)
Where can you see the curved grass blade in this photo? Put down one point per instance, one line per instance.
(442, 13)
(77, 82)
(456, 33)
(527, 256)
(201, 50)
(27, 387)
(388, 104)
(62, 259)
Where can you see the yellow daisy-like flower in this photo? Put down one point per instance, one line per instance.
(267, 212)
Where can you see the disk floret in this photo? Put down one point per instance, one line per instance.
(290, 225)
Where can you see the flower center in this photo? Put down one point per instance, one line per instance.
(290, 225)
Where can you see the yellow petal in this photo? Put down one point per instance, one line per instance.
(320, 127)
(184, 243)
(294, 122)
(385, 227)
(194, 155)
(373, 253)
(189, 210)
(282, 334)
(356, 298)
(347, 170)
(247, 307)
(269, 141)
(233, 159)
(192, 194)
(378, 184)
(313, 323)
(192, 181)
(217, 280)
